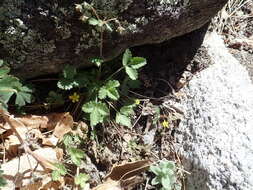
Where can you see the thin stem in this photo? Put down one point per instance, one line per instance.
(116, 72)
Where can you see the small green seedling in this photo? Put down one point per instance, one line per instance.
(82, 180)
(59, 171)
(165, 173)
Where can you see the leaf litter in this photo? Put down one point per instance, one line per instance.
(32, 144)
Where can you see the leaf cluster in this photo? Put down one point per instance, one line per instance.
(71, 142)
(59, 171)
(12, 86)
(132, 64)
(124, 115)
(71, 78)
(165, 173)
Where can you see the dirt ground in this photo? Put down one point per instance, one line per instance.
(171, 65)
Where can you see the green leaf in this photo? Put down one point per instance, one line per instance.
(66, 84)
(155, 181)
(1, 62)
(9, 86)
(4, 71)
(123, 120)
(109, 90)
(56, 175)
(127, 110)
(126, 57)
(113, 84)
(60, 171)
(93, 21)
(137, 62)
(113, 94)
(22, 98)
(89, 107)
(76, 155)
(67, 140)
(69, 72)
(3, 181)
(81, 180)
(132, 73)
(155, 169)
(97, 61)
(98, 111)
(165, 181)
(102, 93)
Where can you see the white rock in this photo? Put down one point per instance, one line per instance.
(217, 132)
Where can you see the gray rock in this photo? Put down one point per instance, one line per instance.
(216, 136)
(39, 37)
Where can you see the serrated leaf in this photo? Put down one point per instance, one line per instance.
(102, 93)
(93, 21)
(97, 61)
(123, 120)
(81, 179)
(137, 62)
(126, 57)
(113, 84)
(127, 110)
(76, 155)
(113, 94)
(5, 97)
(66, 84)
(109, 90)
(55, 175)
(69, 72)
(9, 86)
(59, 171)
(132, 73)
(22, 98)
(88, 107)
(4, 71)
(98, 111)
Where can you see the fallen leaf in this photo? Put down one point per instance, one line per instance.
(25, 164)
(124, 175)
(109, 185)
(64, 126)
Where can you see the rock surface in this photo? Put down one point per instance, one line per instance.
(39, 37)
(216, 136)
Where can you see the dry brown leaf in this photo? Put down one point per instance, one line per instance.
(64, 126)
(33, 186)
(127, 170)
(25, 164)
(124, 175)
(51, 141)
(109, 185)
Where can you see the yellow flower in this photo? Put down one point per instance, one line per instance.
(165, 123)
(74, 97)
(137, 101)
